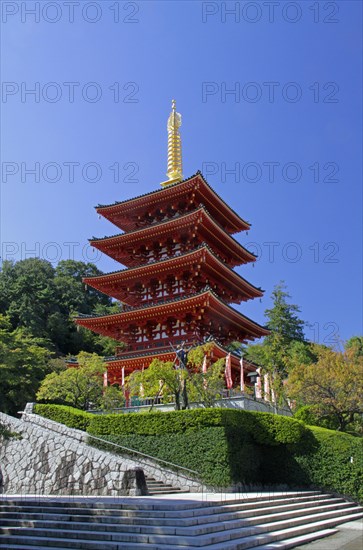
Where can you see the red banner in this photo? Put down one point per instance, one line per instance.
(228, 372)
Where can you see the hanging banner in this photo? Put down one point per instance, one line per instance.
(242, 376)
(204, 366)
(228, 372)
(266, 387)
(258, 386)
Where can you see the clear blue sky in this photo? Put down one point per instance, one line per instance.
(296, 72)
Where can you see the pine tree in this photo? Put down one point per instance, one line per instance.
(283, 317)
(285, 345)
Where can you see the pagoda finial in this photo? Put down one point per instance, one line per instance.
(175, 167)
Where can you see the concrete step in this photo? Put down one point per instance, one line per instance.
(167, 527)
(145, 503)
(23, 543)
(155, 504)
(277, 539)
(158, 484)
(192, 516)
(161, 491)
(156, 487)
(282, 539)
(186, 508)
(133, 519)
(193, 537)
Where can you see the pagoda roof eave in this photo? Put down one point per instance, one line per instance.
(132, 273)
(143, 232)
(234, 219)
(94, 322)
(163, 354)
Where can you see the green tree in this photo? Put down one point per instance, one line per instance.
(283, 318)
(333, 385)
(28, 292)
(112, 398)
(160, 378)
(285, 345)
(23, 365)
(355, 344)
(80, 387)
(207, 387)
(163, 378)
(44, 300)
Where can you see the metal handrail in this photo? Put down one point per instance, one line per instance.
(133, 451)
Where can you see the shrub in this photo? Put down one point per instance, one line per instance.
(73, 418)
(335, 462)
(226, 445)
(208, 452)
(264, 428)
(324, 461)
(221, 444)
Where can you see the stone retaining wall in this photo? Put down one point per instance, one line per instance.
(51, 458)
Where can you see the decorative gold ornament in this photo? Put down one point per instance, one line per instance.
(175, 165)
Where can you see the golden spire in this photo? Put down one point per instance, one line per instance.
(175, 167)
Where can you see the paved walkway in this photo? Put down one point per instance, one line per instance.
(349, 537)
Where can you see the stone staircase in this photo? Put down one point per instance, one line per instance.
(156, 487)
(266, 522)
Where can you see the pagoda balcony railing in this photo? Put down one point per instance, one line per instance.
(136, 402)
(148, 401)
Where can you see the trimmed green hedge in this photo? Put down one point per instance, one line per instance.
(208, 452)
(73, 418)
(324, 461)
(223, 445)
(334, 462)
(226, 445)
(265, 428)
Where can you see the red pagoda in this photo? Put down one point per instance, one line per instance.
(179, 283)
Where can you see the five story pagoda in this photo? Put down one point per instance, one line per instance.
(179, 283)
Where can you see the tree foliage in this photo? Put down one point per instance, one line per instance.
(283, 318)
(355, 346)
(208, 387)
(160, 378)
(23, 364)
(43, 299)
(164, 378)
(333, 385)
(79, 387)
(285, 346)
(112, 398)
(286, 338)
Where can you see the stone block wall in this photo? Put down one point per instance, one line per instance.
(51, 458)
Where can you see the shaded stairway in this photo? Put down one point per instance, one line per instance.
(156, 487)
(258, 522)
